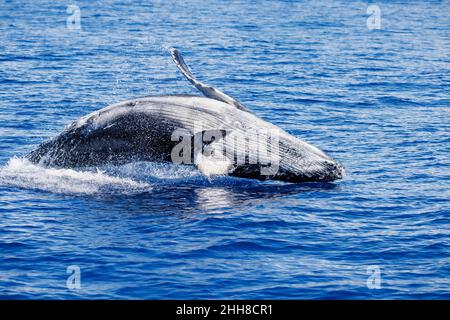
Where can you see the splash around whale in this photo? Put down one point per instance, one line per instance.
(216, 133)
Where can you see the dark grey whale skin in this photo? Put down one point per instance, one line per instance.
(141, 130)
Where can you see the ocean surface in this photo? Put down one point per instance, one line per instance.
(373, 93)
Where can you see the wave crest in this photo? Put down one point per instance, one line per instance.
(21, 173)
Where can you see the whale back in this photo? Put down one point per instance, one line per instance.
(134, 130)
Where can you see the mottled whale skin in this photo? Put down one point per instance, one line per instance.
(142, 130)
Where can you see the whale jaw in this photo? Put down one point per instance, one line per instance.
(328, 170)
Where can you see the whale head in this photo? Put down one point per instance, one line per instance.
(277, 155)
(303, 162)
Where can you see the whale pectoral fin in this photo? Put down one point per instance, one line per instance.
(213, 166)
(211, 159)
(207, 91)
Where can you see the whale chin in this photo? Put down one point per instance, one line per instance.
(331, 171)
(323, 171)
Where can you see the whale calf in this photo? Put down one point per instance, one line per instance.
(215, 132)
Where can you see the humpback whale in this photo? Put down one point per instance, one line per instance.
(215, 133)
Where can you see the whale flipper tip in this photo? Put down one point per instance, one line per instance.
(208, 91)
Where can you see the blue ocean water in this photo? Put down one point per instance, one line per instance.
(378, 100)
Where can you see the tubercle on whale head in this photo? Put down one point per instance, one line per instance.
(330, 170)
(339, 172)
(320, 171)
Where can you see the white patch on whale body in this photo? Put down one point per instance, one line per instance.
(212, 166)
